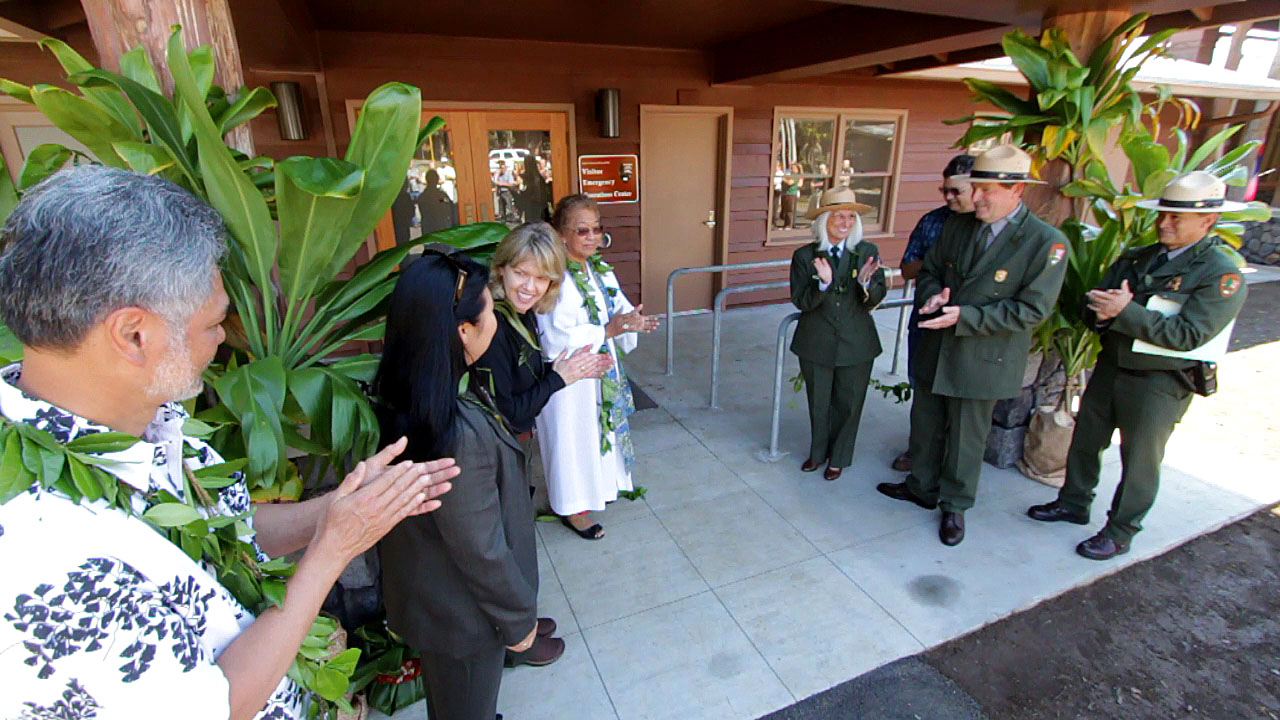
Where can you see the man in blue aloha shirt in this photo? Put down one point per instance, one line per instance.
(958, 195)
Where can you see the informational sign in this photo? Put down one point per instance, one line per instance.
(609, 178)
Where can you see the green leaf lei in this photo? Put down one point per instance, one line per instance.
(608, 386)
(31, 456)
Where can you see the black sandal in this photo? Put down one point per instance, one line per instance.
(595, 532)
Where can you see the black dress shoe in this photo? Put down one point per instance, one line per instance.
(951, 530)
(1055, 512)
(810, 466)
(832, 473)
(900, 491)
(1101, 547)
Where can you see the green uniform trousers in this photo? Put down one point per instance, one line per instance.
(1145, 406)
(948, 439)
(836, 396)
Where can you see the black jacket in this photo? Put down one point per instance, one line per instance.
(521, 380)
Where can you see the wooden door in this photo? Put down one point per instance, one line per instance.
(683, 166)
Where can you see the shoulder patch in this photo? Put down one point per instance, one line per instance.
(1057, 253)
(1230, 284)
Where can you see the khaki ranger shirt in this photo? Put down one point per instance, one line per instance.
(835, 327)
(1204, 279)
(1003, 293)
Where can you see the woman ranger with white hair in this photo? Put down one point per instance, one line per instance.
(836, 281)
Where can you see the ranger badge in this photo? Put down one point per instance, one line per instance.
(1056, 253)
(1229, 284)
(1174, 284)
(1001, 274)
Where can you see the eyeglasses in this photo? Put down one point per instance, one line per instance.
(585, 231)
(950, 192)
(458, 270)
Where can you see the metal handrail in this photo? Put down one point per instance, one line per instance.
(779, 357)
(717, 312)
(671, 296)
(904, 316)
(772, 455)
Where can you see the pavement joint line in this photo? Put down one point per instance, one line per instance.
(641, 611)
(727, 611)
(880, 605)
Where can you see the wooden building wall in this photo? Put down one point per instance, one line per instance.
(484, 70)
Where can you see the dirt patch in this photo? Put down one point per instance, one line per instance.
(1193, 633)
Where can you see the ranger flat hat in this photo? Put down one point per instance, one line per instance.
(839, 198)
(1003, 164)
(1194, 192)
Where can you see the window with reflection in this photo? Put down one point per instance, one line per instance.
(814, 150)
(428, 201)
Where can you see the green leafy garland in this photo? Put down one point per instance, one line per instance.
(31, 456)
(608, 386)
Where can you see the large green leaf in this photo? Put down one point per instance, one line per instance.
(145, 158)
(106, 98)
(315, 198)
(1031, 60)
(255, 393)
(382, 143)
(431, 128)
(468, 237)
(84, 121)
(136, 65)
(227, 188)
(1146, 156)
(44, 161)
(247, 106)
(16, 90)
(156, 110)
(1001, 98)
(10, 348)
(1210, 145)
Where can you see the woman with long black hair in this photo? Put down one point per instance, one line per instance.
(461, 588)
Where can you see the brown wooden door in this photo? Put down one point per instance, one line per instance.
(682, 171)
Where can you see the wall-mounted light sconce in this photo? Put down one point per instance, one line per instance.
(607, 112)
(289, 113)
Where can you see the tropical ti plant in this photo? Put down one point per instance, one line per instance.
(288, 385)
(1076, 113)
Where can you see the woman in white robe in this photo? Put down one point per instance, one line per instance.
(585, 467)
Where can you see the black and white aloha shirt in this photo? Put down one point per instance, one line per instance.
(101, 616)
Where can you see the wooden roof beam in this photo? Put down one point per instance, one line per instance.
(845, 39)
(1205, 17)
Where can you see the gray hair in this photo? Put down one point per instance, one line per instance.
(90, 240)
(819, 230)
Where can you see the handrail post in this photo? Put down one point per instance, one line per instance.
(671, 308)
(772, 455)
(717, 313)
(904, 316)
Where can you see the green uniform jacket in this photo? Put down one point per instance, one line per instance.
(1204, 278)
(835, 327)
(1003, 293)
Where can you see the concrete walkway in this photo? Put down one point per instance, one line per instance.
(737, 587)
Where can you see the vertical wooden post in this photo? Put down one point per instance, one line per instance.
(121, 25)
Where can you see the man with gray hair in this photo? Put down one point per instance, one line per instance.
(110, 281)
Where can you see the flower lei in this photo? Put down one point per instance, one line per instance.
(608, 386)
(31, 456)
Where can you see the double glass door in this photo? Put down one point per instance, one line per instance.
(505, 166)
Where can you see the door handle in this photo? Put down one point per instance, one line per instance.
(711, 219)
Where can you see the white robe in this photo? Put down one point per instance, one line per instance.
(579, 478)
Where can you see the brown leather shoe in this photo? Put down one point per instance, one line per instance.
(951, 529)
(1055, 512)
(810, 466)
(545, 651)
(546, 626)
(831, 473)
(900, 491)
(1101, 547)
(902, 463)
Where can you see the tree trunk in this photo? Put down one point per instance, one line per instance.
(121, 25)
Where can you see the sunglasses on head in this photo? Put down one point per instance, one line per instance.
(458, 270)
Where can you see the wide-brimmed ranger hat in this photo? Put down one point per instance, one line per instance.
(1003, 164)
(1194, 192)
(840, 198)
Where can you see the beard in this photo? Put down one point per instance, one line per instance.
(176, 378)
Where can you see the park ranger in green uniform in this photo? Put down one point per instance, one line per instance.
(836, 281)
(990, 279)
(1143, 394)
